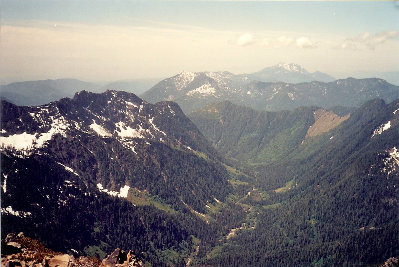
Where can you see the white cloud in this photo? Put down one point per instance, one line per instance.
(304, 42)
(285, 41)
(298, 42)
(246, 39)
(368, 40)
(265, 42)
(39, 50)
(373, 40)
(348, 45)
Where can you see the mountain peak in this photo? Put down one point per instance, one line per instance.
(289, 72)
(186, 77)
(218, 75)
(186, 74)
(291, 67)
(183, 79)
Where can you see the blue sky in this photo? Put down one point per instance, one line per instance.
(338, 17)
(110, 40)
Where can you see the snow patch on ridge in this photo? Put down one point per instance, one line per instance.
(99, 130)
(131, 104)
(220, 77)
(126, 131)
(381, 129)
(233, 231)
(26, 142)
(5, 183)
(391, 163)
(21, 141)
(9, 210)
(171, 110)
(203, 90)
(130, 144)
(123, 191)
(151, 121)
(276, 90)
(68, 169)
(183, 79)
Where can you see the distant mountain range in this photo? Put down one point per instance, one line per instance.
(44, 91)
(31, 93)
(391, 76)
(192, 91)
(136, 86)
(289, 73)
(279, 87)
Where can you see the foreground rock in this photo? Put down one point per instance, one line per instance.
(121, 258)
(391, 262)
(19, 250)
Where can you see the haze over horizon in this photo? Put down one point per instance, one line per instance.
(97, 41)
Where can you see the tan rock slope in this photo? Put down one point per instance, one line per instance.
(324, 122)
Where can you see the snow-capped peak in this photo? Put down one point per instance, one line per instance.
(219, 75)
(183, 79)
(186, 74)
(291, 67)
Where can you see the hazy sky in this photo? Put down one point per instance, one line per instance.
(112, 40)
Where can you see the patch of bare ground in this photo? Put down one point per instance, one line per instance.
(324, 121)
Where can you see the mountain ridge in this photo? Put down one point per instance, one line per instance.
(245, 134)
(200, 89)
(40, 92)
(289, 73)
(120, 119)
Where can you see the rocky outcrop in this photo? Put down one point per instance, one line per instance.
(122, 258)
(391, 262)
(19, 250)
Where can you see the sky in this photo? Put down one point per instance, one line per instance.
(108, 40)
